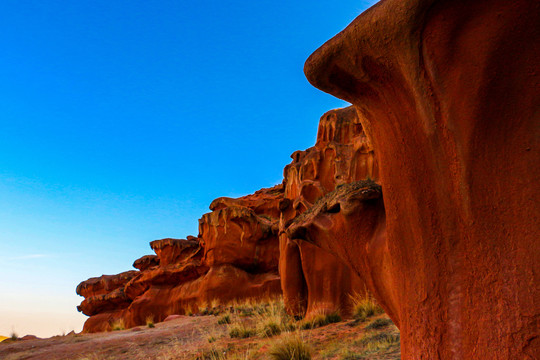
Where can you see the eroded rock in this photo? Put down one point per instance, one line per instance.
(448, 92)
(314, 280)
(235, 257)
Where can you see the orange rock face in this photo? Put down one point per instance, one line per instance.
(313, 280)
(350, 223)
(242, 243)
(105, 293)
(235, 257)
(448, 92)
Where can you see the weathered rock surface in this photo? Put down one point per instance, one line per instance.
(235, 257)
(448, 92)
(146, 262)
(350, 223)
(104, 284)
(314, 280)
(242, 242)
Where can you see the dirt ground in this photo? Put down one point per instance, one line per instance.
(194, 337)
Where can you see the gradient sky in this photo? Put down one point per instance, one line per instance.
(121, 121)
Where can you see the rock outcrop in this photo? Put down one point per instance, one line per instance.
(312, 279)
(449, 93)
(243, 243)
(235, 257)
(350, 223)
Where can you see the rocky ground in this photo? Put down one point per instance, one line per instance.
(209, 337)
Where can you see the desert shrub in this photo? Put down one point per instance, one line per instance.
(379, 323)
(225, 319)
(290, 348)
(364, 307)
(331, 350)
(240, 330)
(118, 325)
(211, 354)
(321, 320)
(374, 342)
(214, 303)
(245, 310)
(150, 321)
(204, 311)
(351, 355)
(274, 319)
(205, 308)
(270, 329)
(333, 317)
(14, 335)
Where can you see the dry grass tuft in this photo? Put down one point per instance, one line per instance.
(150, 321)
(364, 307)
(212, 354)
(241, 331)
(118, 325)
(290, 348)
(375, 342)
(321, 319)
(379, 323)
(225, 319)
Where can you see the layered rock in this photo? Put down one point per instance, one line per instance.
(314, 280)
(350, 223)
(449, 94)
(105, 293)
(242, 242)
(235, 257)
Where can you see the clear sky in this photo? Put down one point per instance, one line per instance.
(121, 121)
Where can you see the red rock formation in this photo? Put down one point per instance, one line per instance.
(237, 235)
(312, 279)
(449, 93)
(105, 299)
(235, 257)
(237, 252)
(350, 223)
(146, 262)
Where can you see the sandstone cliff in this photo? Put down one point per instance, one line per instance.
(243, 250)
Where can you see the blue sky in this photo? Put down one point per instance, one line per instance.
(121, 121)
